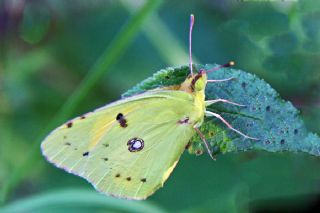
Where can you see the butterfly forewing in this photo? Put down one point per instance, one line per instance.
(126, 149)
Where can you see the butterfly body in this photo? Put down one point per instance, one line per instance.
(129, 148)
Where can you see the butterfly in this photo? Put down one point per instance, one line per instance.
(129, 148)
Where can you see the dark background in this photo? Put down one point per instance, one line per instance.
(48, 46)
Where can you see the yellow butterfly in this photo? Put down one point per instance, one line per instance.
(129, 148)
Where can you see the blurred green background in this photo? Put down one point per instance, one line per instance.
(47, 48)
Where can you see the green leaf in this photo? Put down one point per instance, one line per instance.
(275, 122)
(76, 200)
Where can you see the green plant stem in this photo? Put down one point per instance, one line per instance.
(169, 47)
(110, 56)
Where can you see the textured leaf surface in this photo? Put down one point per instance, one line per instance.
(266, 116)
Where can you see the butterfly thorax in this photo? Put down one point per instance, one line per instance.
(195, 85)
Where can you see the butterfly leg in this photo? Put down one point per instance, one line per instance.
(228, 125)
(210, 102)
(205, 142)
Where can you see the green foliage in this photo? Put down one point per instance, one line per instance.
(47, 47)
(77, 200)
(275, 122)
(108, 58)
(35, 23)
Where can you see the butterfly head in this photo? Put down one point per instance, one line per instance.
(199, 81)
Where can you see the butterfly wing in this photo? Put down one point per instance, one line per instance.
(130, 157)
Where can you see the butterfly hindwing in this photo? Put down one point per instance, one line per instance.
(128, 148)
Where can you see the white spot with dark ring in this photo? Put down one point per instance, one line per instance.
(135, 144)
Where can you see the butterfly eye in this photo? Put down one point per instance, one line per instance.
(135, 144)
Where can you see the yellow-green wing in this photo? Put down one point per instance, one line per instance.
(129, 156)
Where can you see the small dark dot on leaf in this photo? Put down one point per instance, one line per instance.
(249, 125)
(143, 180)
(282, 141)
(85, 154)
(268, 108)
(199, 152)
(128, 178)
(295, 131)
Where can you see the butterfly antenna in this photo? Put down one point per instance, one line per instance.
(190, 42)
(229, 64)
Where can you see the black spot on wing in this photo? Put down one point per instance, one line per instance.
(122, 121)
(67, 144)
(119, 116)
(188, 145)
(117, 175)
(184, 121)
(85, 154)
(143, 180)
(69, 124)
(128, 178)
